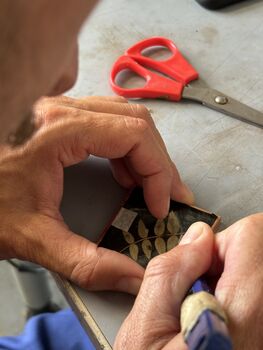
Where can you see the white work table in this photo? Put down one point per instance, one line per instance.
(219, 157)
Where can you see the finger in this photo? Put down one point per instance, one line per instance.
(110, 137)
(48, 109)
(238, 270)
(242, 237)
(99, 105)
(154, 319)
(58, 249)
(54, 108)
(115, 98)
(177, 343)
(121, 173)
(67, 100)
(180, 193)
(107, 104)
(243, 240)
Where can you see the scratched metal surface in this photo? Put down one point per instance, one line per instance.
(219, 157)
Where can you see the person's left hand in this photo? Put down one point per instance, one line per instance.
(147, 162)
(31, 182)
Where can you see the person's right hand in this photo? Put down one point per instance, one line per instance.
(234, 262)
(238, 272)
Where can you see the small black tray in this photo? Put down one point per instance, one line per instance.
(137, 234)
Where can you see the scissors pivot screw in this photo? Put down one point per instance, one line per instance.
(221, 100)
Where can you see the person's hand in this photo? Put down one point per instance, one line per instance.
(234, 260)
(31, 181)
(238, 270)
(126, 134)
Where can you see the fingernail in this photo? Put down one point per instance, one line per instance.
(129, 285)
(193, 233)
(188, 195)
(166, 207)
(163, 208)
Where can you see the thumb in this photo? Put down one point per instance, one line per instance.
(55, 247)
(167, 280)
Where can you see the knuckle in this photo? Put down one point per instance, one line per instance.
(251, 223)
(139, 126)
(51, 112)
(162, 265)
(63, 112)
(141, 111)
(84, 271)
(121, 99)
(249, 226)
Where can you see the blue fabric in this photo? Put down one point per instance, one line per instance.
(50, 331)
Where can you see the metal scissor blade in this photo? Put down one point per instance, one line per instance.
(224, 104)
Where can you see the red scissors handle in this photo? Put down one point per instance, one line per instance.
(175, 66)
(155, 86)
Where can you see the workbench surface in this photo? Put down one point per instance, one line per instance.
(219, 157)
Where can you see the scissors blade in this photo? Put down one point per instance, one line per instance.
(220, 102)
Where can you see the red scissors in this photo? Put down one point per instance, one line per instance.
(179, 74)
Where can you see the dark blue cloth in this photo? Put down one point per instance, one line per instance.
(51, 331)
